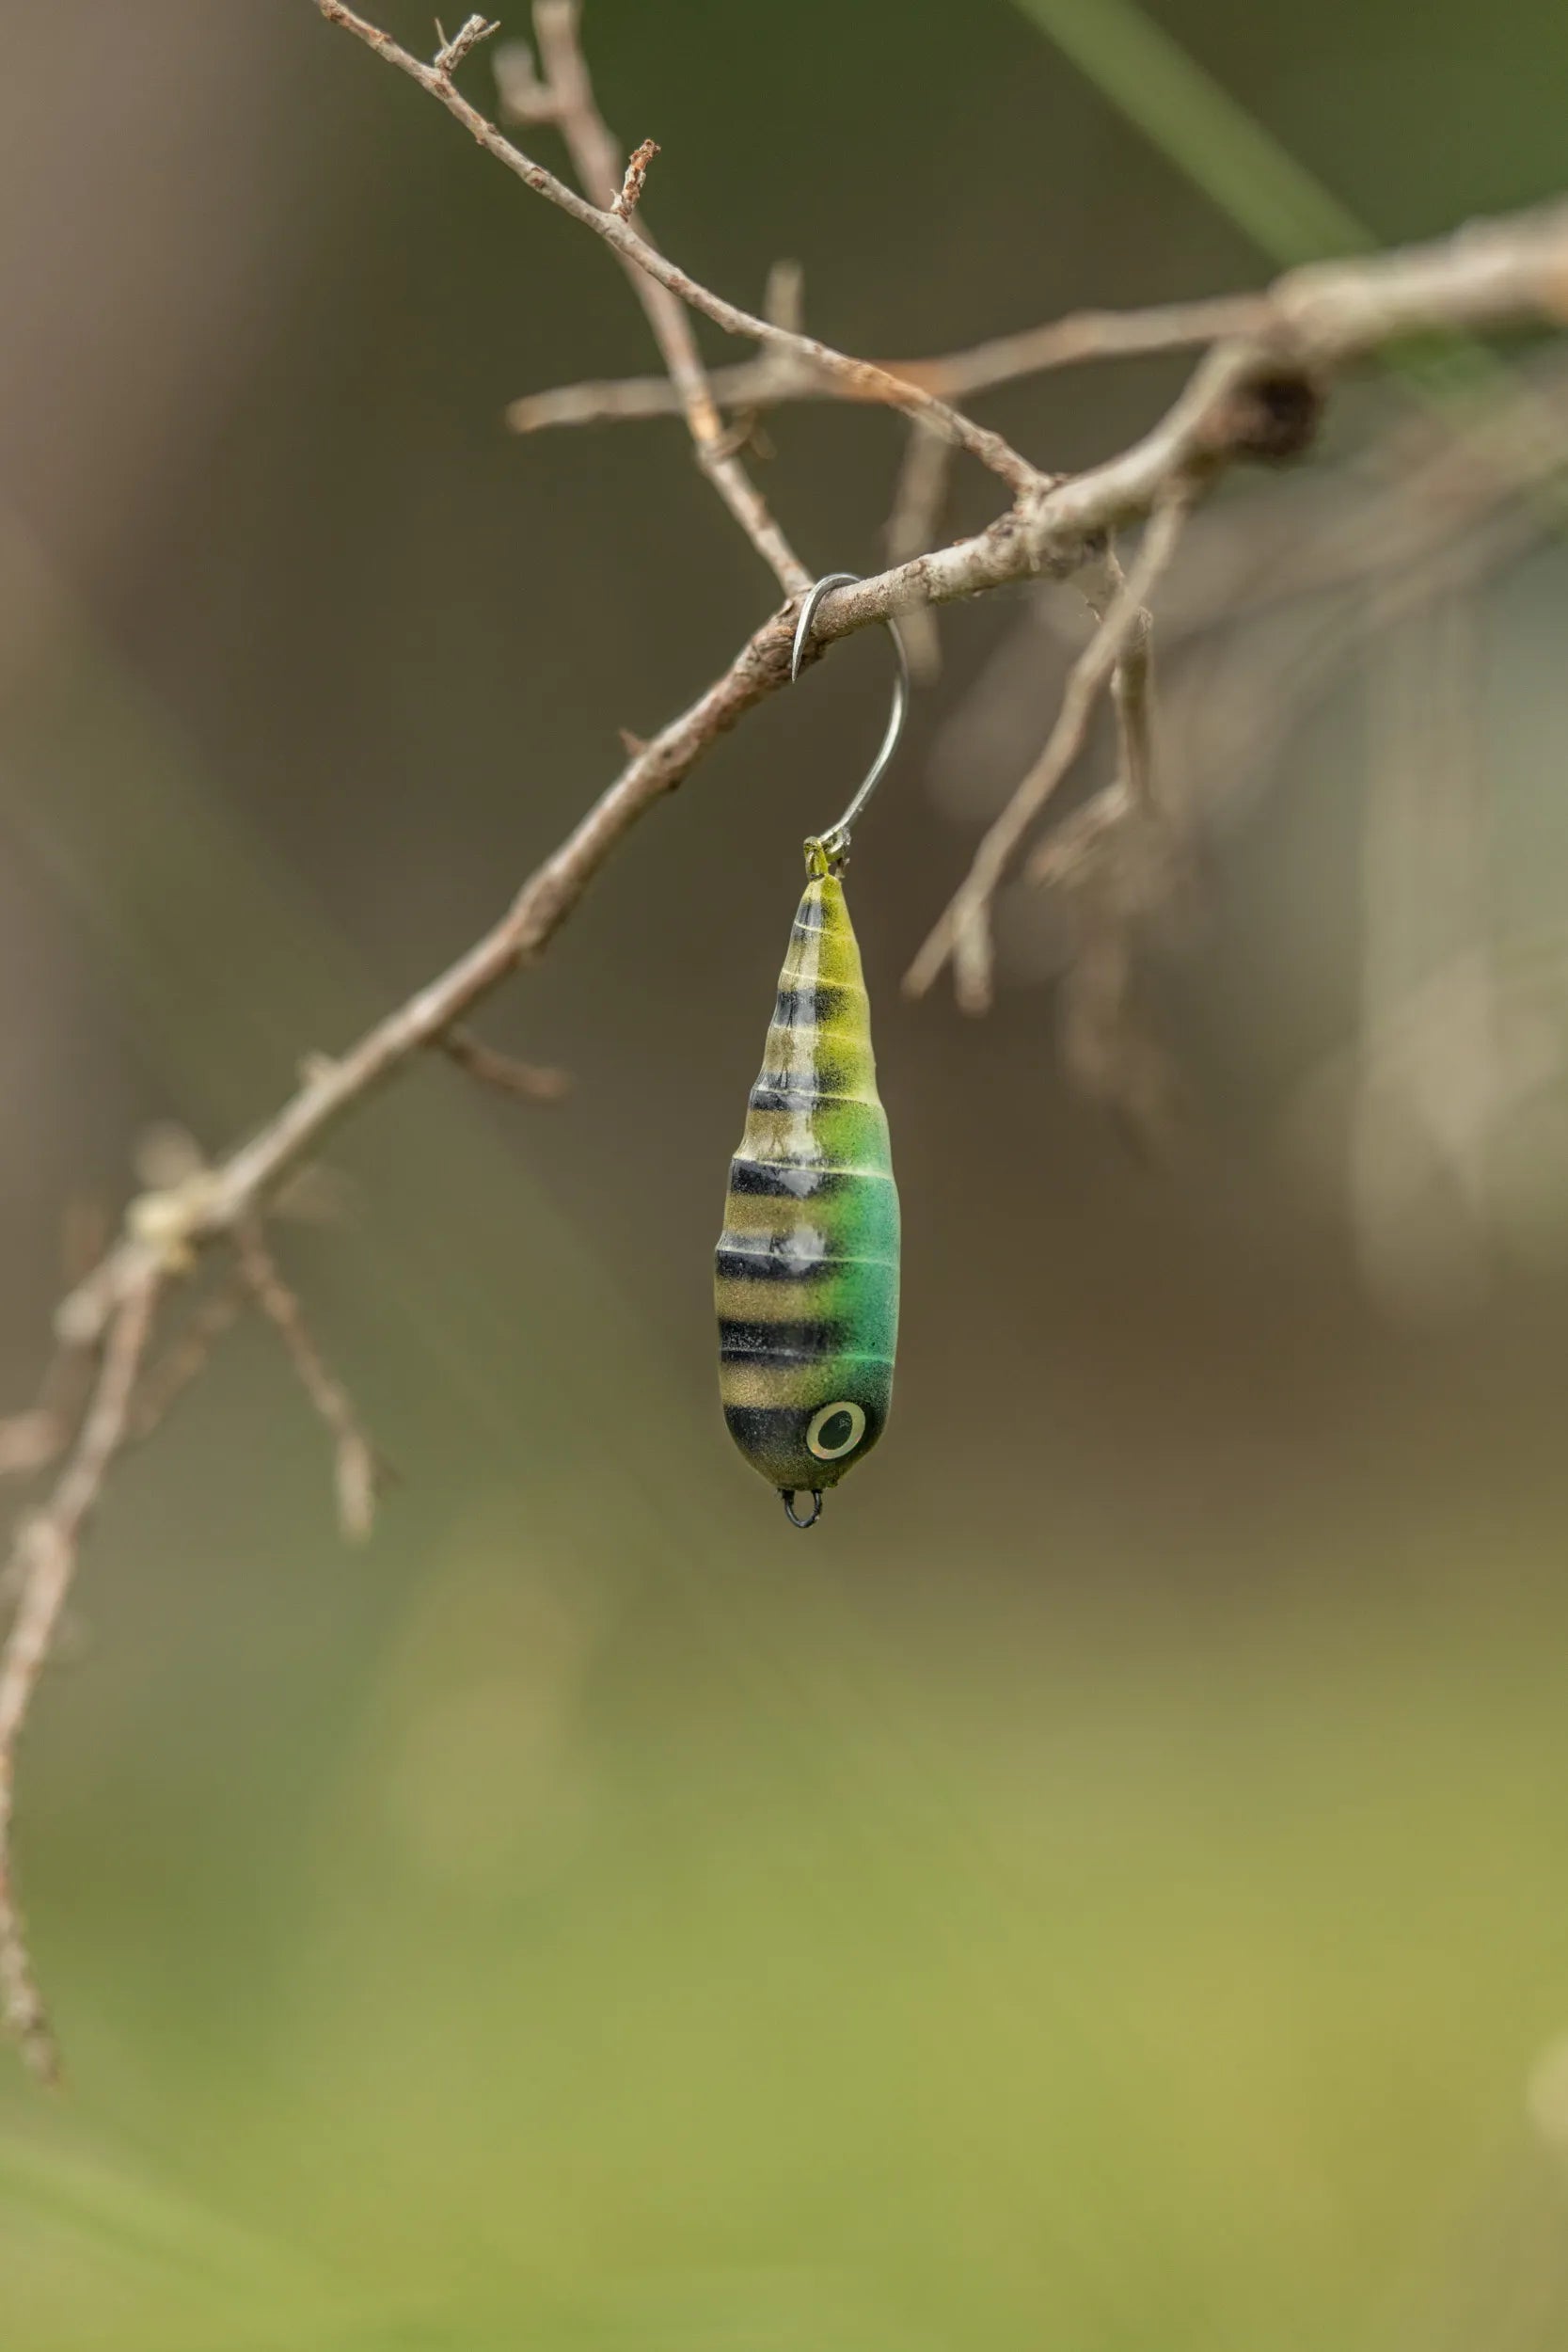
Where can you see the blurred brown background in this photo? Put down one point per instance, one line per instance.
(1106, 1888)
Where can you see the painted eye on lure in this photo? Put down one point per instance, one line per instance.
(806, 1271)
(836, 1430)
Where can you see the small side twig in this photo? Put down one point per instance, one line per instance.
(911, 526)
(1286, 348)
(872, 383)
(637, 172)
(775, 378)
(530, 1082)
(43, 1563)
(565, 96)
(1100, 585)
(963, 935)
(463, 41)
(185, 1357)
(356, 1470)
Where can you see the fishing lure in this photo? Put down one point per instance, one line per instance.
(806, 1271)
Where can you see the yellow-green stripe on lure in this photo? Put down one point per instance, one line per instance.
(806, 1275)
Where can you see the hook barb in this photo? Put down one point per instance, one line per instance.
(835, 841)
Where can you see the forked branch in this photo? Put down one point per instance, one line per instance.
(963, 935)
(873, 383)
(1255, 393)
(564, 97)
(48, 1546)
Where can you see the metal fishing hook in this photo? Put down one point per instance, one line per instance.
(787, 1495)
(834, 843)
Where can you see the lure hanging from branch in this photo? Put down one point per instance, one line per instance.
(807, 1266)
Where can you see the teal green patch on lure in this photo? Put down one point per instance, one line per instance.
(806, 1281)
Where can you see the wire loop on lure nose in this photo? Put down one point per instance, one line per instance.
(835, 841)
(787, 1495)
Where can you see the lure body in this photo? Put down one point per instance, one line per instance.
(807, 1264)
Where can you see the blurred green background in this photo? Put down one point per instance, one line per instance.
(1106, 1889)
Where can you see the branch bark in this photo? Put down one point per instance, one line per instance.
(1324, 319)
(872, 382)
(48, 1546)
(566, 97)
(1254, 395)
(963, 936)
(776, 379)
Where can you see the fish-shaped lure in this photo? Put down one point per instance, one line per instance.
(806, 1276)
(807, 1265)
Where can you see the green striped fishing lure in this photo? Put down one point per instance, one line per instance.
(806, 1271)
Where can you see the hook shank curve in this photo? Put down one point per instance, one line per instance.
(835, 841)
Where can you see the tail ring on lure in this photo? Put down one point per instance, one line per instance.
(806, 1277)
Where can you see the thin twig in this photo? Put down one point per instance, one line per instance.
(631, 187)
(775, 379)
(1100, 585)
(463, 43)
(31, 1437)
(918, 499)
(1513, 269)
(529, 1080)
(567, 91)
(873, 383)
(1253, 396)
(45, 1560)
(356, 1470)
(39, 1434)
(963, 935)
(188, 1355)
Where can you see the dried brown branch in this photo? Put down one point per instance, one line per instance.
(1334, 315)
(31, 1437)
(963, 936)
(530, 1082)
(356, 1470)
(777, 378)
(912, 524)
(637, 173)
(37, 1436)
(186, 1355)
(463, 41)
(1254, 395)
(872, 383)
(565, 96)
(1102, 585)
(43, 1561)
(1274, 594)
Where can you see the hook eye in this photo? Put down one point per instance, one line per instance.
(836, 839)
(787, 1495)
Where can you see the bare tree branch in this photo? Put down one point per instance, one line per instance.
(777, 378)
(566, 98)
(188, 1355)
(463, 41)
(45, 1560)
(917, 504)
(636, 175)
(963, 936)
(1492, 274)
(1254, 395)
(529, 1080)
(356, 1470)
(873, 383)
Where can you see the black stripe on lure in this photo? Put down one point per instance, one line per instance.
(806, 1274)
